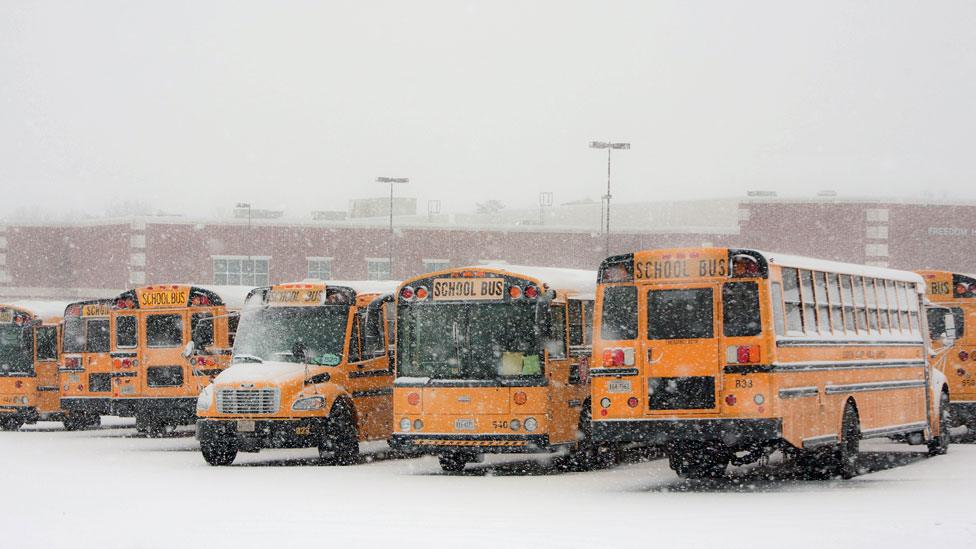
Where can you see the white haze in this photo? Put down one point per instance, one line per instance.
(192, 106)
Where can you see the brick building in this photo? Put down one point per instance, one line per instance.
(102, 257)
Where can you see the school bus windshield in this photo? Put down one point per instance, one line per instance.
(272, 333)
(469, 341)
(13, 357)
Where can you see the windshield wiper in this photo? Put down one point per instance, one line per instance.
(248, 358)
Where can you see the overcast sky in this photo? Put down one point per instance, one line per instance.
(193, 106)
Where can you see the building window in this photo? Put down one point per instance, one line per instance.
(876, 250)
(431, 265)
(877, 231)
(377, 268)
(877, 215)
(240, 270)
(320, 268)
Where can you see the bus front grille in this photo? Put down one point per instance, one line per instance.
(248, 401)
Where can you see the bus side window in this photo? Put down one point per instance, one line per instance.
(960, 317)
(232, 321)
(588, 323)
(389, 310)
(47, 343)
(126, 332)
(556, 342)
(202, 328)
(779, 320)
(354, 354)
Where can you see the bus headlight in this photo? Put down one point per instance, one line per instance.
(405, 425)
(515, 424)
(205, 398)
(309, 403)
(530, 424)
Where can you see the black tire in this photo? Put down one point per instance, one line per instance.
(72, 422)
(339, 443)
(452, 463)
(699, 461)
(585, 455)
(11, 423)
(845, 455)
(219, 452)
(939, 445)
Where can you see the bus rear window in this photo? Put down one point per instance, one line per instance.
(740, 309)
(680, 314)
(164, 330)
(619, 317)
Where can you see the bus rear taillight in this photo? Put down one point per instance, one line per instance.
(520, 398)
(421, 292)
(413, 399)
(742, 354)
(963, 356)
(406, 293)
(531, 292)
(618, 357)
(72, 362)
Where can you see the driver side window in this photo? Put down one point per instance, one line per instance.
(354, 338)
(556, 342)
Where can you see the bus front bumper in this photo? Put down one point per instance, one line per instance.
(733, 432)
(483, 444)
(88, 405)
(253, 435)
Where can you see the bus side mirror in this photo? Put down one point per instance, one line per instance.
(188, 350)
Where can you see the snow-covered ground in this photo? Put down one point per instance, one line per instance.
(111, 488)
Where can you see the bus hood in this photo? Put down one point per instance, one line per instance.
(266, 372)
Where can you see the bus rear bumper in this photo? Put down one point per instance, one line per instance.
(22, 414)
(173, 408)
(483, 444)
(733, 432)
(263, 433)
(88, 405)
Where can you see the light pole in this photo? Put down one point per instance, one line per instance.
(247, 230)
(433, 208)
(545, 200)
(609, 146)
(392, 181)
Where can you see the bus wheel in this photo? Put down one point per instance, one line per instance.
(11, 423)
(845, 455)
(339, 444)
(699, 461)
(91, 421)
(219, 452)
(453, 463)
(940, 444)
(72, 422)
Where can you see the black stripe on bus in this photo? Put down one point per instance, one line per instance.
(798, 392)
(844, 343)
(876, 386)
(499, 382)
(856, 365)
(372, 392)
(610, 372)
(370, 373)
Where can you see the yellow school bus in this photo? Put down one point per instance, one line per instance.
(958, 293)
(311, 369)
(727, 355)
(28, 368)
(492, 359)
(86, 367)
(168, 343)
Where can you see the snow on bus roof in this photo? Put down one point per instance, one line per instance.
(232, 296)
(814, 264)
(360, 286)
(577, 282)
(43, 308)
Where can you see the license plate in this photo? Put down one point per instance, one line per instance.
(127, 390)
(619, 386)
(464, 425)
(245, 426)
